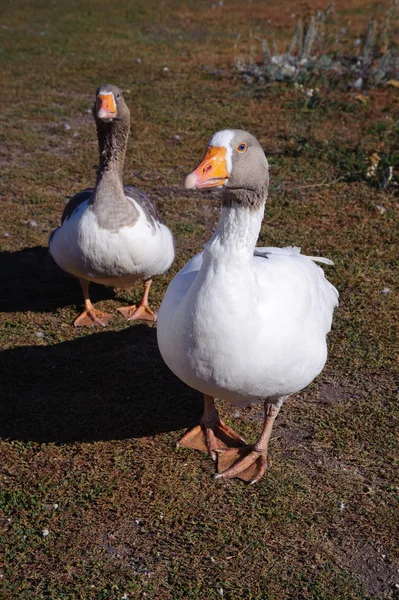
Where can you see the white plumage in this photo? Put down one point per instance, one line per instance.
(244, 327)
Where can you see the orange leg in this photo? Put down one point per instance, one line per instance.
(248, 463)
(143, 311)
(212, 434)
(90, 316)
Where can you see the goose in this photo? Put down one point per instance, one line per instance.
(241, 323)
(112, 234)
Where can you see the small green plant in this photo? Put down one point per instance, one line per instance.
(318, 54)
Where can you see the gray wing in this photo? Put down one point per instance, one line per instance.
(145, 202)
(74, 202)
(72, 205)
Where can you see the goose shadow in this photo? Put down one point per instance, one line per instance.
(103, 386)
(30, 280)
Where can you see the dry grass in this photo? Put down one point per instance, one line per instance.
(89, 419)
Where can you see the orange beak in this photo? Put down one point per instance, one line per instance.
(105, 106)
(212, 172)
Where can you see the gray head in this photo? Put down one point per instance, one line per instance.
(110, 105)
(234, 160)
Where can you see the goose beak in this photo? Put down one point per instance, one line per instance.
(212, 172)
(105, 106)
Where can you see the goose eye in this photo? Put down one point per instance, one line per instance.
(241, 147)
(118, 95)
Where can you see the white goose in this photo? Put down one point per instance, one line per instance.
(112, 234)
(240, 323)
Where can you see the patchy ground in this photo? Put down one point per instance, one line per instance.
(95, 501)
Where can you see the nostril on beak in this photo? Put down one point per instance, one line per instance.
(207, 169)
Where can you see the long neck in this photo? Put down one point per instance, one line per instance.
(239, 225)
(112, 142)
(109, 203)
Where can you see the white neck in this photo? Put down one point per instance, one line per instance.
(236, 234)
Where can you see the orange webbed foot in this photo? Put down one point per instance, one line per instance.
(92, 317)
(246, 463)
(211, 438)
(134, 313)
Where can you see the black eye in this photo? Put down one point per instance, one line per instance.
(241, 147)
(118, 95)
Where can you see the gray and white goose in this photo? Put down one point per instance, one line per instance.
(112, 234)
(242, 323)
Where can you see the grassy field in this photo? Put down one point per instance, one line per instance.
(95, 502)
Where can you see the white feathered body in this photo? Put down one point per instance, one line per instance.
(117, 258)
(243, 327)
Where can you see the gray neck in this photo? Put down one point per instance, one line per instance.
(251, 199)
(239, 225)
(110, 205)
(112, 142)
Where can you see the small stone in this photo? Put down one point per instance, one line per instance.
(67, 126)
(166, 68)
(386, 291)
(5, 234)
(177, 136)
(55, 506)
(138, 61)
(341, 506)
(212, 559)
(381, 209)
(32, 224)
(358, 84)
(220, 591)
(39, 334)
(45, 532)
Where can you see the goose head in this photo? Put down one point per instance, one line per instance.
(234, 160)
(110, 105)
